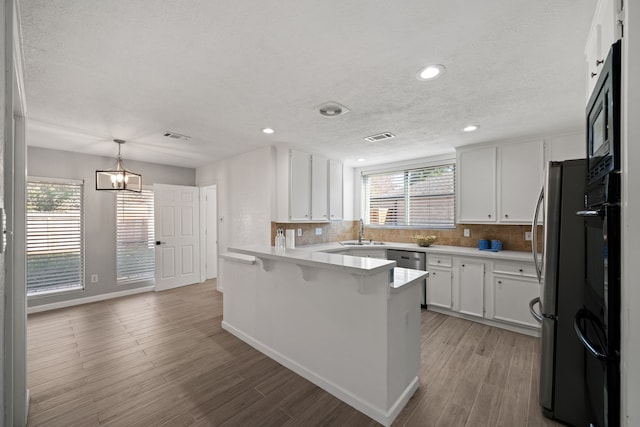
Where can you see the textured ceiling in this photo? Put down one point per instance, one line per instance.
(220, 71)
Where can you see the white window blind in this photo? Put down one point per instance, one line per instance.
(135, 237)
(54, 237)
(421, 197)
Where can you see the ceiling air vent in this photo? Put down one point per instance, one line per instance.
(178, 136)
(380, 137)
(332, 109)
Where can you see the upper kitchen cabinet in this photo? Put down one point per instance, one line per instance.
(319, 188)
(520, 168)
(499, 183)
(606, 28)
(336, 193)
(300, 186)
(476, 185)
(309, 187)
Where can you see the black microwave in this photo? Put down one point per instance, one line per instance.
(603, 121)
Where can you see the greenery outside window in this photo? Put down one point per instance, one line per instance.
(55, 236)
(411, 198)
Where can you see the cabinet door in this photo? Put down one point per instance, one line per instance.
(300, 186)
(319, 188)
(520, 181)
(471, 287)
(335, 190)
(439, 287)
(511, 299)
(477, 185)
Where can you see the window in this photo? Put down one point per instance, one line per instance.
(419, 198)
(135, 257)
(55, 248)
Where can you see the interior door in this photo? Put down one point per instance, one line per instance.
(177, 236)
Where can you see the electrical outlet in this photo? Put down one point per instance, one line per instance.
(528, 235)
(318, 231)
(299, 232)
(94, 278)
(467, 233)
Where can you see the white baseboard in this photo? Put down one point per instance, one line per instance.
(526, 330)
(381, 416)
(86, 300)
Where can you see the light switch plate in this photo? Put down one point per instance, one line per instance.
(528, 236)
(467, 233)
(318, 231)
(299, 232)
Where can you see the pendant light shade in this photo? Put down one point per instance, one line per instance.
(118, 178)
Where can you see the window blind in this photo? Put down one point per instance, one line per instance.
(135, 249)
(421, 197)
(54, 237)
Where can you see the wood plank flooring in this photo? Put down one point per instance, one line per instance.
(162, 359)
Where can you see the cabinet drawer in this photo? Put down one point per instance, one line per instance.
(440, 261)
(516, 268)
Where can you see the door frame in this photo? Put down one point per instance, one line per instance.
(204, 226)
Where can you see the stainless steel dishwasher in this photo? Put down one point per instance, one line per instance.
(415, 260)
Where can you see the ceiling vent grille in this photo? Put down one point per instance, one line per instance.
(380, 137)
(332, 109)
(178, 136)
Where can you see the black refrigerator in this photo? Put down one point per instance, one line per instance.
(561, 272)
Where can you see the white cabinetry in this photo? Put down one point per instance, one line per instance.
(336, 196)
(300, 185)
(511, 183)
(309, 187)
(439, 281)
(470, 286)
(477, 185)
(606, 28)
(368, 253)
(521, 167)
(514, 285)
(319, 188)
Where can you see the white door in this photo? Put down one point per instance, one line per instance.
(212, 233)
(177, 236)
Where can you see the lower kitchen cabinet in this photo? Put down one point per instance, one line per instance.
(439, 287)
(511, 296)
(470, 286)
(368, 253)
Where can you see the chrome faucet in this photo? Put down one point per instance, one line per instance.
(361, 231)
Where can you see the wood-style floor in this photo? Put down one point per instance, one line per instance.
(162, 359)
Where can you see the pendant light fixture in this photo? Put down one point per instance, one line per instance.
(118, 178)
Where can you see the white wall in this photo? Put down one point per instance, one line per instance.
(100, 211)
(246, 194)
(630, 309)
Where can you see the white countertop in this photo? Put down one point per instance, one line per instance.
(321, 259)
(406, 277)
(434, 249)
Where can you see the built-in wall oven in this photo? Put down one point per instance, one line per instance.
(597, 323)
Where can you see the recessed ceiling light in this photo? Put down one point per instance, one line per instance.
(470, 128)
(361, 160)
(430, 72)
(268, 131)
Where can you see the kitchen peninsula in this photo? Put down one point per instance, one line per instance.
(350, 325)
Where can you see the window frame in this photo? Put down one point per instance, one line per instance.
(405, 169)
(63, 181)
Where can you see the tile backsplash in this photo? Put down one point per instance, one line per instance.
(512, 236)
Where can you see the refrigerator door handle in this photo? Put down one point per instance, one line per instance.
(596, 213)
(596, 350)
(533, 311)
(534, 238)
